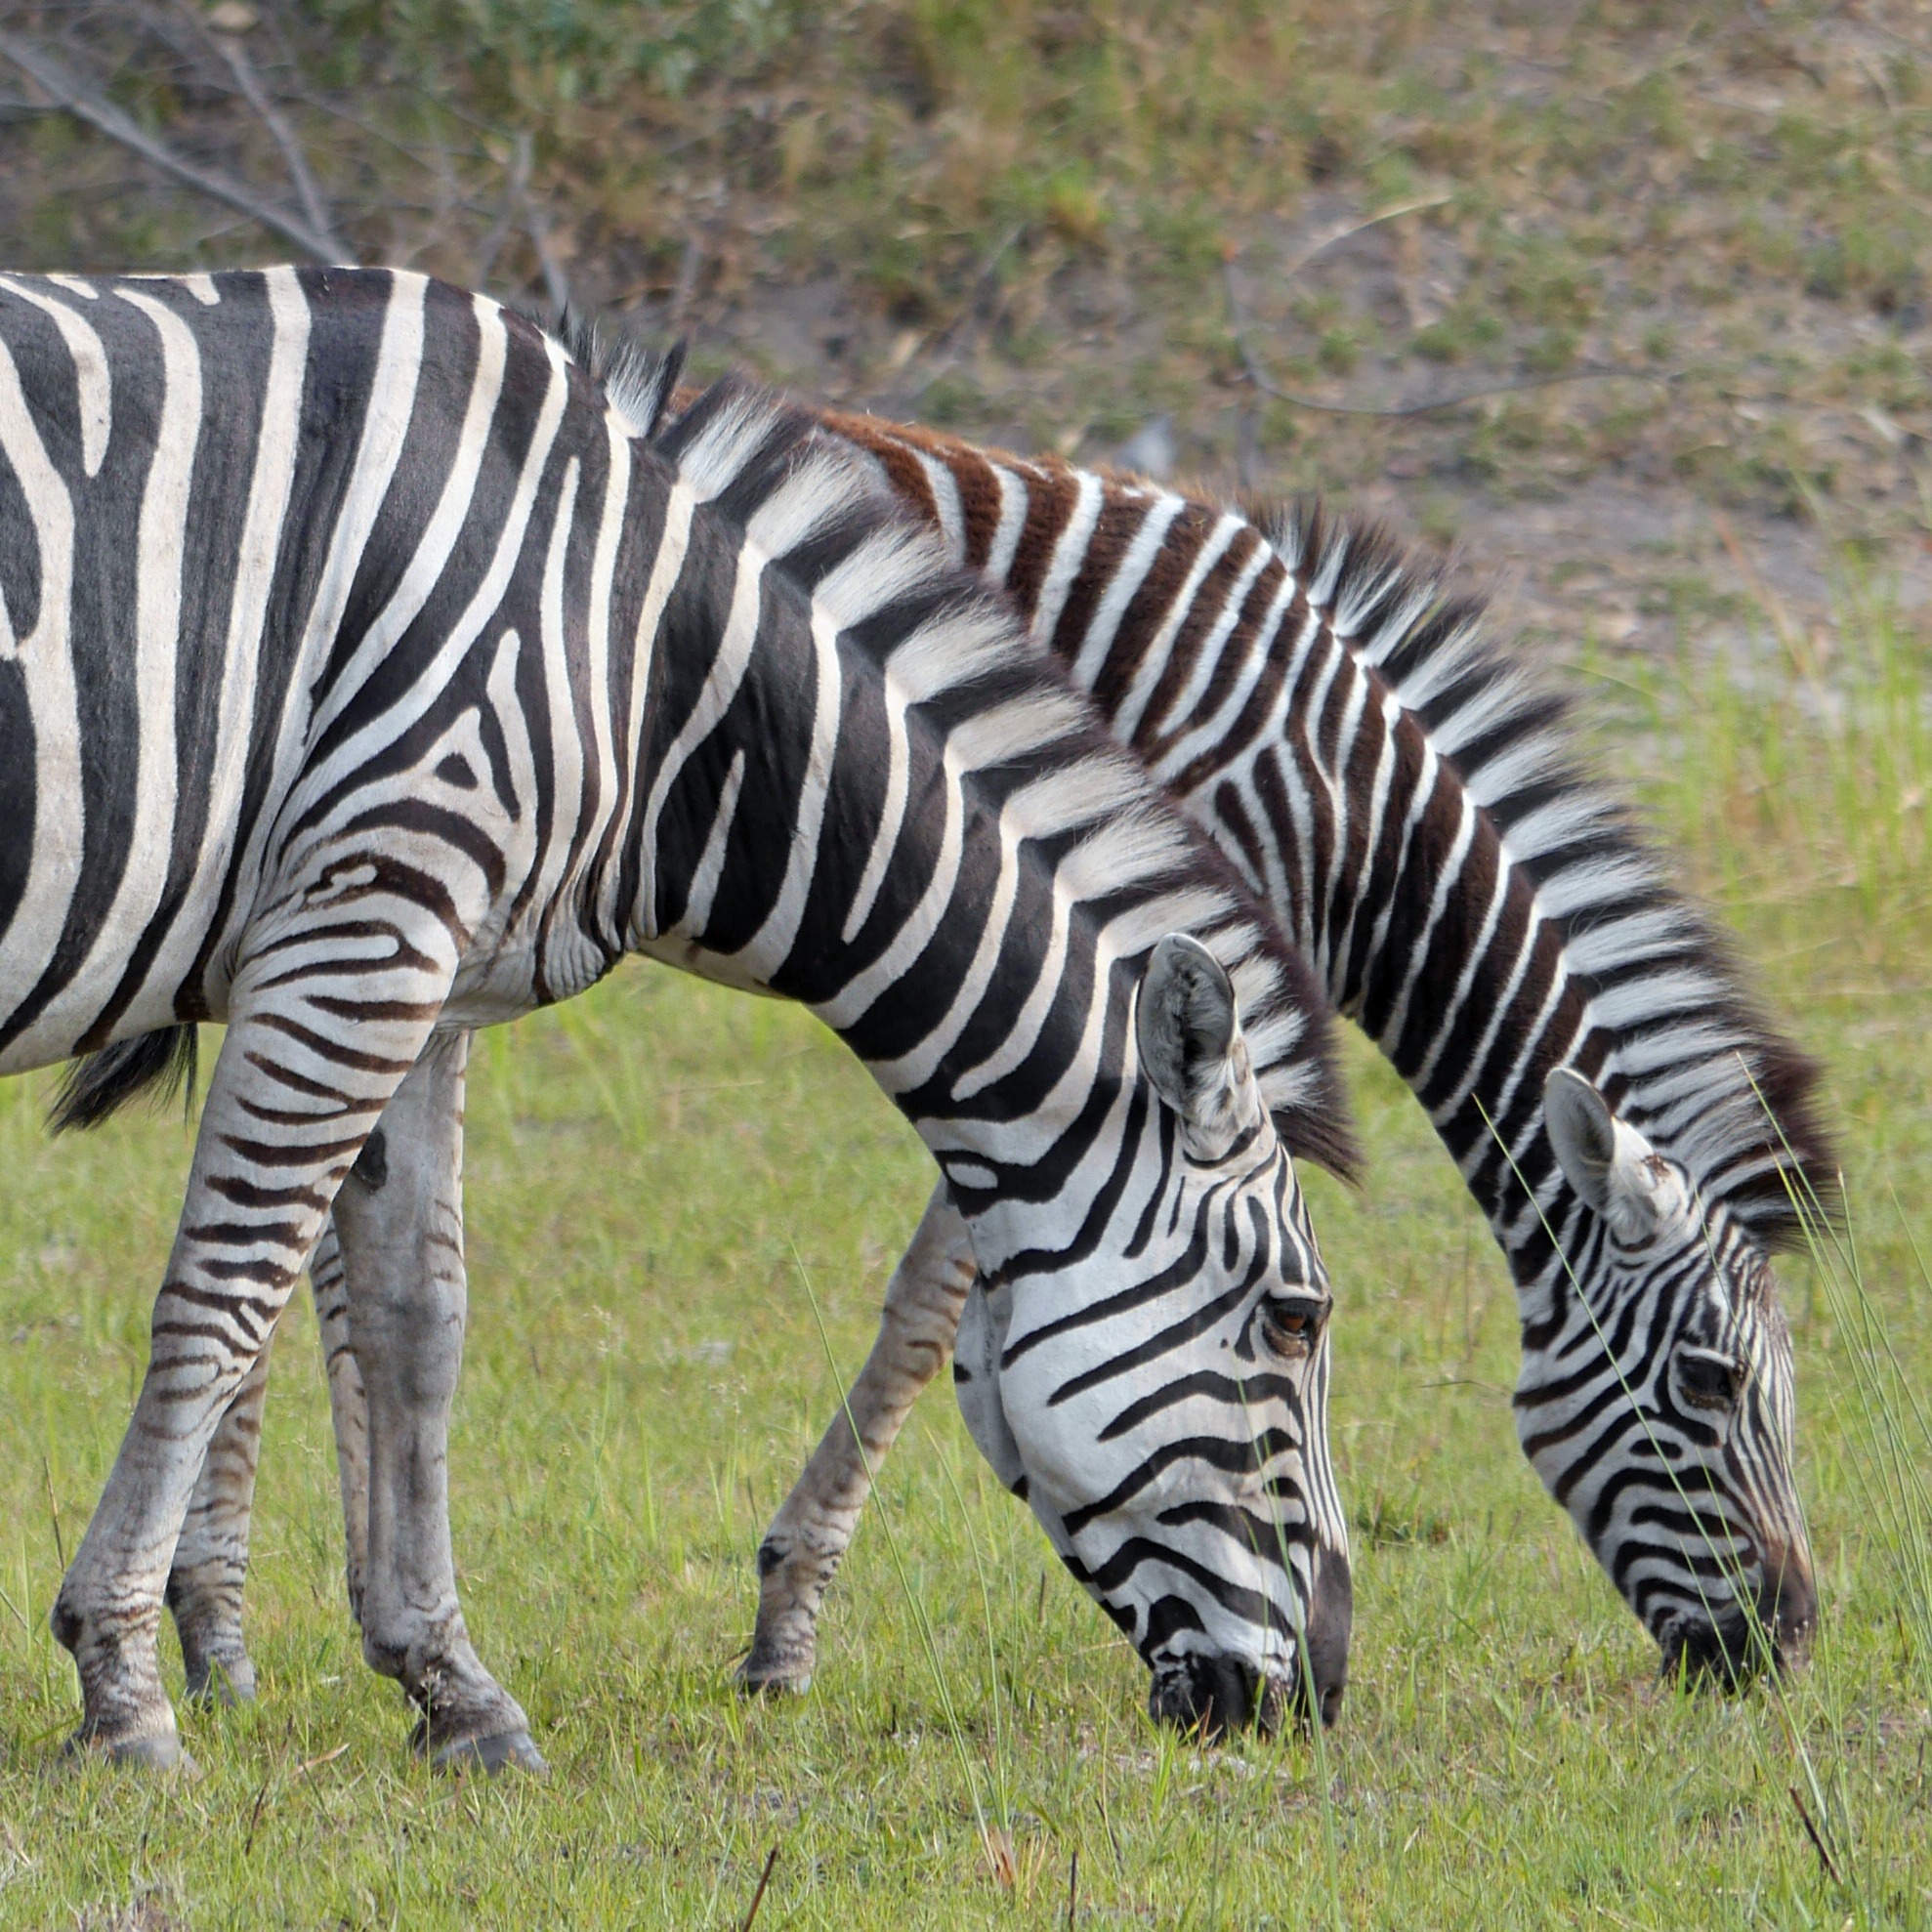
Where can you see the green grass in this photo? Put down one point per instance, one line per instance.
(656, 1174)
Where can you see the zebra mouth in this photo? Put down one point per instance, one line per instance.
(1216, 1696)
(1728, 1651)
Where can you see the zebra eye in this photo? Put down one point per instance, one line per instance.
(1710, 1379)
(1292, 1323)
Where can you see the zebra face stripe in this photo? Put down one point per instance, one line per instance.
(1170, 1433)
(1656, 1402)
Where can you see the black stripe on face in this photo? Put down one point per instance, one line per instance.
(1233, 1456)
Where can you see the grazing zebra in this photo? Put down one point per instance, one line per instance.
(1412, 809)
(364, 679)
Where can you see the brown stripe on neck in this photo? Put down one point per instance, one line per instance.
(1141, 621)
(1049, 507)
(1123, 512)
(1203, 611)
(980, 496)
(891, 448)
(975, 473)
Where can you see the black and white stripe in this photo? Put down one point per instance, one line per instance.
(1414, 808)
(371, 681)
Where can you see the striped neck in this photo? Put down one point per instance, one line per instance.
(1412, 809)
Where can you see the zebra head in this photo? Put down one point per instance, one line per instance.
(1658, 1407)
(1171, 1432)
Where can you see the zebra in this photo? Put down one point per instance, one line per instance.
(1412, 809)
(365, 679)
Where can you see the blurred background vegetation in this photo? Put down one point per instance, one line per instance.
(1674, 249)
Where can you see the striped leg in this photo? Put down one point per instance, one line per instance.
(399, 1222)
(815, 1523)
(349, 1409)
(204, 1593)
(211, 1559)
(288, 1110)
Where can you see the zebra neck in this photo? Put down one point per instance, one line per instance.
(1413, 811)
(802, 827)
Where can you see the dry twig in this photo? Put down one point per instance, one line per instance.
(513, 192)
(67, 94)
(758, 1897)
(1818, 1843)
(236, 58)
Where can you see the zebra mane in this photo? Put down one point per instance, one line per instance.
(637, 382)
(1708, 1079)
(1135, 833)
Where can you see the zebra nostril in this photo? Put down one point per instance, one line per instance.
(1788, 1606)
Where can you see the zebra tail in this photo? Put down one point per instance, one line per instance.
(99, 1084)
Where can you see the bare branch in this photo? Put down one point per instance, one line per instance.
(235, 56)
(686, 285)
(1268, 386)
(512, 200)
(556, 284)
(67, 94)
(1344, 229)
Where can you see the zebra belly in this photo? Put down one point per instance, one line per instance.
(55, 1035)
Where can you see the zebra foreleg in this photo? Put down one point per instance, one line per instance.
(400, 1220)
(815, 1525)
(211, 1560)
(287, 1111)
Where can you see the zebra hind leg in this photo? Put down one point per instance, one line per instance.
(210, 1565)
(400, 1220)
(815, 1525)
(349, 1409)
(288, 1108)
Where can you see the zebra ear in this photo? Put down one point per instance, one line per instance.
(1190, 1038)
(1602, 1156)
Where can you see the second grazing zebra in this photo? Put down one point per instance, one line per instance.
(365, 679)
(1414, 811)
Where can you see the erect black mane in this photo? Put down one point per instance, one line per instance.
(1754, 1138)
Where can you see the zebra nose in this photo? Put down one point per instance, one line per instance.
(1331, 1619)
(1772, 1629)
(1788, 1604)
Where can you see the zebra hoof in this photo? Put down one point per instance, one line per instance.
(507, 1750)
(158, 1751)
(774, 1676)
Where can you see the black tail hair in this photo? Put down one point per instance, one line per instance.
(101, 1083)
